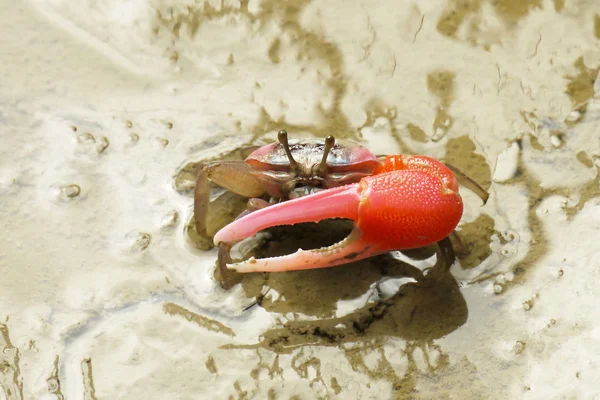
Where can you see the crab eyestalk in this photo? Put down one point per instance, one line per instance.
(321, 168)
(282, 137)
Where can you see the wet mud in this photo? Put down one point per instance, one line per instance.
(108, 109)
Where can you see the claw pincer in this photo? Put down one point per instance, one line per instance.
(408, 202)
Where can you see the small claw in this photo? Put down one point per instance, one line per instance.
(396, 209)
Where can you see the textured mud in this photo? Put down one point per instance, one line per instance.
(107, 108)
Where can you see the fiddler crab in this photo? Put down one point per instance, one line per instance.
(397, 202)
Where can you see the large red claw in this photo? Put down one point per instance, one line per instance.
(409, 202)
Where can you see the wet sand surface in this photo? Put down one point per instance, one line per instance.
(107, 107)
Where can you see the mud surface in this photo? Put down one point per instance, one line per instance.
(107, 107)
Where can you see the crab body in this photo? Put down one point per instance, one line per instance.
(312, 164)
(281, 171)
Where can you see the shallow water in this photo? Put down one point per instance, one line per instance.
(104, 293)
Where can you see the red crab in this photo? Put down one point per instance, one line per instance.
(397, 202)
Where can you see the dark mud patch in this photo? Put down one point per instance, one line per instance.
(476, 237)
(580, 87)
(460, 152)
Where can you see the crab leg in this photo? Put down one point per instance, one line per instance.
(409, 202)
(233, 175)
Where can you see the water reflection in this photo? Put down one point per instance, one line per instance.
(426, 308)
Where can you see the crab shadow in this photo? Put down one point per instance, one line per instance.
(418, 313)
(424, 307)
